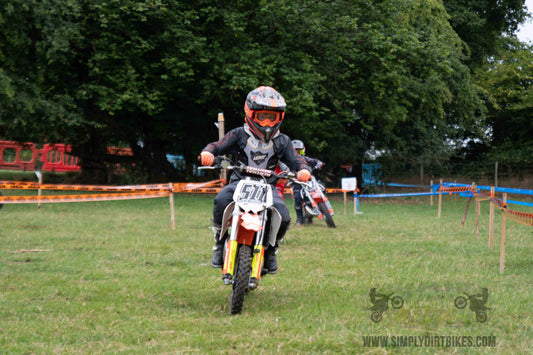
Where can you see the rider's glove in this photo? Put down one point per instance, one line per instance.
(303, 175)
(207, 158)
(319, 165)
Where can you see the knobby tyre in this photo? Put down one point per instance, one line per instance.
(241, 279)
(327, 216)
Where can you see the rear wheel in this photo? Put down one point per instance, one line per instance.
(327, 216)
(241, 280)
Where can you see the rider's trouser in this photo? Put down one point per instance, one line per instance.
(225, 197)
(296, 192)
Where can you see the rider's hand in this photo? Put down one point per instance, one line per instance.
(303, 175)
(319, 165)
(207, 158)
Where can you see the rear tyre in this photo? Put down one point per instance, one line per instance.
(376, 316)
(241, 280)
(327, 216)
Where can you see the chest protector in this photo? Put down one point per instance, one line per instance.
(259, 153)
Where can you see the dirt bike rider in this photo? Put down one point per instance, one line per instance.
(314, 164)
(380, 302)
(258, 143)
(477, 301)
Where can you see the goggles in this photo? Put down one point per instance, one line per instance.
(300, 151)
(267, 118)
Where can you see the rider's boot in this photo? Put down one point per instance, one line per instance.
(271, 263)
(217, 261)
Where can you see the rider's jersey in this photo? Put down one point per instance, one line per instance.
(253, 152)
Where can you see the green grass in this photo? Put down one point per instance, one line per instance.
(113, 277)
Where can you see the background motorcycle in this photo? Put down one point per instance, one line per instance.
(315, 203)
(251, 223)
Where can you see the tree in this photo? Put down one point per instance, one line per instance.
(480, 24)
(95, 73)
(508, 79)
(154, 74)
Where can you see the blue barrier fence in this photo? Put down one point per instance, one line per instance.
(435, 188)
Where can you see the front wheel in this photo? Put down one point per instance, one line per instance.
(325, 212)
(460, 302)
(241, 280)
(396, 302)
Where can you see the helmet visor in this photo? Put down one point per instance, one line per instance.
(267, 118)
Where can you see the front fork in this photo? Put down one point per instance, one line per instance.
(231, 248)
(231, 252)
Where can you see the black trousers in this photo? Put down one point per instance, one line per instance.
(296, 188)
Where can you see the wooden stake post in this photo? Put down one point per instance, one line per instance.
(502, 243)
(431, 191)
(491, 219)
(39, 193)
(440, 199)
(477, 208)
(350, 185)
(171, 200)
(221, 133)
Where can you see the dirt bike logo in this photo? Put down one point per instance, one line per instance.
(477, 304)
(380, 303)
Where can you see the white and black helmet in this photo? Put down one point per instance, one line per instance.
(265, 110)
(299, 146)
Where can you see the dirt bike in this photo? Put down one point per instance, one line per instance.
(461, 302)
(382, 305)
(251, 223)
(315, 203)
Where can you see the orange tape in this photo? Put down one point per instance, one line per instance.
(456, 189)
(22, 185)
(129, 192)
(176, 187)
(83, 198)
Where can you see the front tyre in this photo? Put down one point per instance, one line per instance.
(325, 212)
(241, 280)
(396, 302)
(460, 302)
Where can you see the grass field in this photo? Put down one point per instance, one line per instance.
(113, 277)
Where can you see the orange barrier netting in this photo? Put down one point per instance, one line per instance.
(22, 185)
(515, 216)
(83, 198)
(451, 190)
(483, 196)
(175, 187)
(120, 192)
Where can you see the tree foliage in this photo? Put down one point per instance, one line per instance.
(153, 75)
(508, 79)
(481, 24)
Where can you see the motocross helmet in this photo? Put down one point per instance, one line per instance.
(299, 146)
(264, 109)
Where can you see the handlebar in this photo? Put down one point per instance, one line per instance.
(222, 162)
